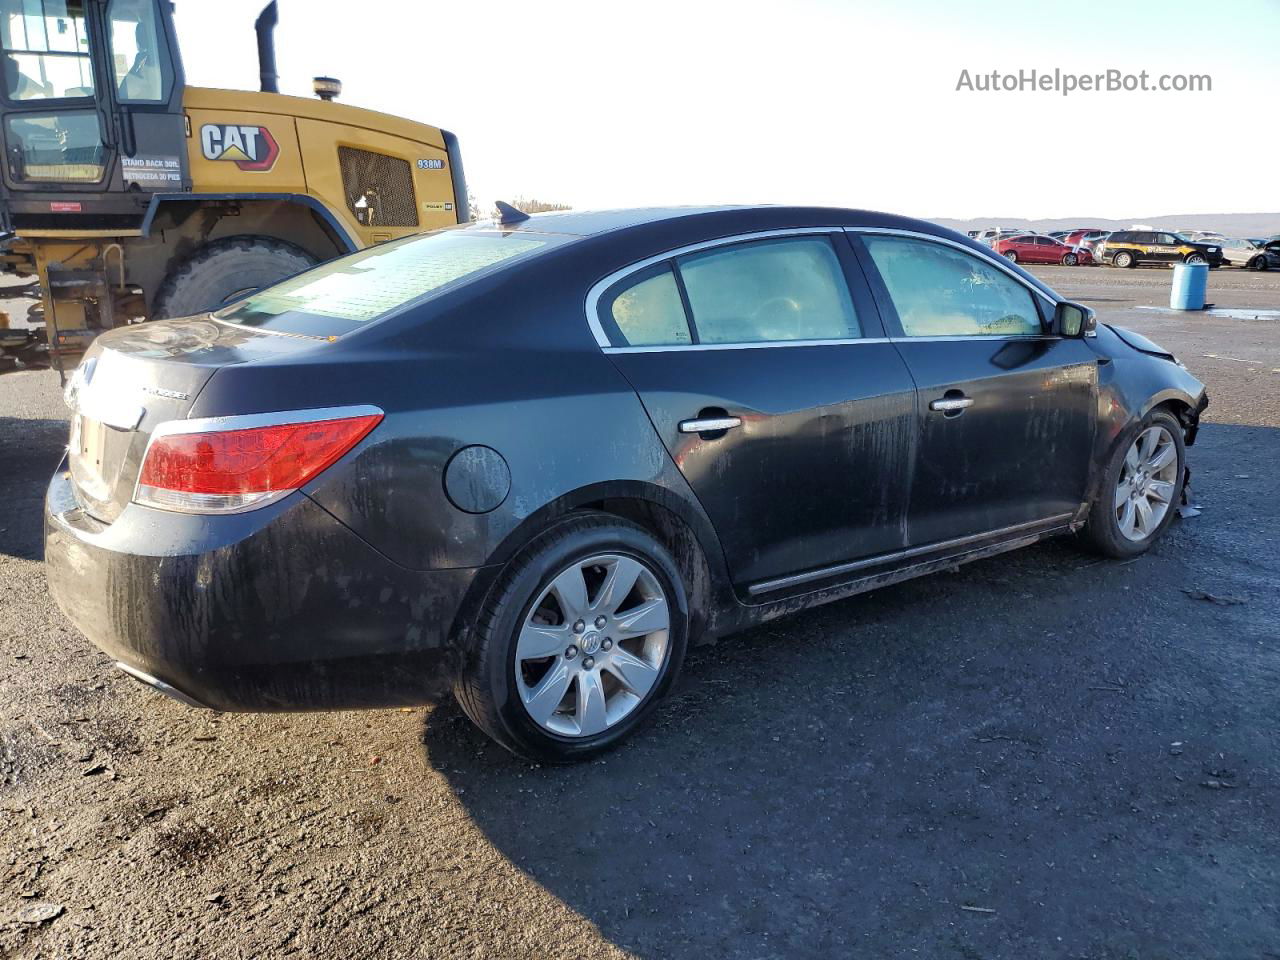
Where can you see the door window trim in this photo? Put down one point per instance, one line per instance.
(600, 287)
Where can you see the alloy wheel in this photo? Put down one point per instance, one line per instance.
(1148, 483)
(1196, 258)
(593, 645)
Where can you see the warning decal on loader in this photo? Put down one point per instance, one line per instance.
(249, 147)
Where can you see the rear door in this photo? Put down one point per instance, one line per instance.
(766, 373)
(1166, 248)
(1007, 410)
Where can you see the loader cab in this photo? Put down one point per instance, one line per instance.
(90, 111)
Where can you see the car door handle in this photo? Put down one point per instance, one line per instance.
(951, 404)
(709, 424)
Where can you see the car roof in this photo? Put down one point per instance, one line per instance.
(732, 218)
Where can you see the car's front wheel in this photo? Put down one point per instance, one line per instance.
(582, 636)
(1011, 256)
(1140, 490)
(1258, 263)
(1070, 259)
(1196, 258)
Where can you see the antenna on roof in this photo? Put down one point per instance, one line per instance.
(509, 214)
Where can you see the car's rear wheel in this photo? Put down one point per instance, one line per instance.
(1139, 493)
(1011, 256)
(581, 637)
(1070, 259)
(1258, 263)
(1123, 259)
(1196, 258)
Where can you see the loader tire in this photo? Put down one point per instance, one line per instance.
(225, 270)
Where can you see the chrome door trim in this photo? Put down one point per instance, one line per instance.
(600, 286)
(999, 262)
(709, 424)
(796, 579)
(752, 345)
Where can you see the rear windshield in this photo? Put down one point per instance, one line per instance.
(353, 291)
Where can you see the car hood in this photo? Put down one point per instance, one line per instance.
(1139, 342)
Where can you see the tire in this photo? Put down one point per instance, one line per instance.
(1070, 259)
(1124, 259)
(1104, 528)
(1257, 263)
(1195, 258)
(1011, 256)
(503, 683)
(222, 271)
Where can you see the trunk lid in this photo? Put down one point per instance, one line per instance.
(136, 377)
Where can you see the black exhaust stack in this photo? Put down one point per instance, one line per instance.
(264, 25)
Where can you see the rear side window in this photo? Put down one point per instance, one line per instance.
(352, 291)
(647, 311)
(939, 291)
(791, 288)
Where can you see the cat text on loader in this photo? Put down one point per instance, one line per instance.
(127, 195)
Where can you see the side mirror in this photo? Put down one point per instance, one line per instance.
(1074, 320)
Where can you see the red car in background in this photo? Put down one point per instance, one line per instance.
(1033, 248)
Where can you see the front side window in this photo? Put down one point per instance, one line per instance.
(791, 288)
(939, 291)
(139, 61)
(57, 147)
(648, 311)
(45, 49)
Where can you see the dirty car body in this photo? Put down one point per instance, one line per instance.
(796, 404)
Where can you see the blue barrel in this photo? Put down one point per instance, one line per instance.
(1190, 280)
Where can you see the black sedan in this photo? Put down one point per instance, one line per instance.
(530, 461)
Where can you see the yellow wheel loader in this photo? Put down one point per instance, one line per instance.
(127, 195)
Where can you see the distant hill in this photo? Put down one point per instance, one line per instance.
(1228, 224)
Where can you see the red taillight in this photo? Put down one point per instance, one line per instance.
(226, 470)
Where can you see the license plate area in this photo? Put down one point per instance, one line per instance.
(91, 472)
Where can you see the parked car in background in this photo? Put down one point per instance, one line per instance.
(1129, 248)
(992, 234)
(1089, 239)
(1034, 248)
(343, 491)
(1251, 255)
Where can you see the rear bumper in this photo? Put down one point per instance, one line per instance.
(278, 609)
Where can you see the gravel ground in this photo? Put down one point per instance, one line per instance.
(1044, 755)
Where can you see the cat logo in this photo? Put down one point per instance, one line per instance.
(250, 147)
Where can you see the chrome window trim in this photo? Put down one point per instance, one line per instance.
(599, 287)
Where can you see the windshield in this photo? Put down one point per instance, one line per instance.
(353, 291)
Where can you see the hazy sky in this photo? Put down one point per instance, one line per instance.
(847, 103)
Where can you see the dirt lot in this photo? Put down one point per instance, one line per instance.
(1044, 755)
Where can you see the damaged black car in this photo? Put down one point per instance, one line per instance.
(528, 461)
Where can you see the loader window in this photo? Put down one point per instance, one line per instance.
(139, 60)
(45, 49)
(62, 147)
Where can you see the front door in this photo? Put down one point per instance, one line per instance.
(769, 380)
(1006, 409)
